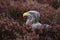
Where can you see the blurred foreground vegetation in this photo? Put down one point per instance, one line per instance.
(12, 25)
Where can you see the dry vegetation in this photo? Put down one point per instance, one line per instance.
(12, 25)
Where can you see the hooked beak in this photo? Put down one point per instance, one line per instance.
(26, 14)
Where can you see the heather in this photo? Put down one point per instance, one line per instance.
(12, 23)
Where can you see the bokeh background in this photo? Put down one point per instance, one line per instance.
(12, 23)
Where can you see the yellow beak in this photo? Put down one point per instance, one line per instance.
(26, 14)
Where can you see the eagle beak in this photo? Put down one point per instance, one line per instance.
(26, 14)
